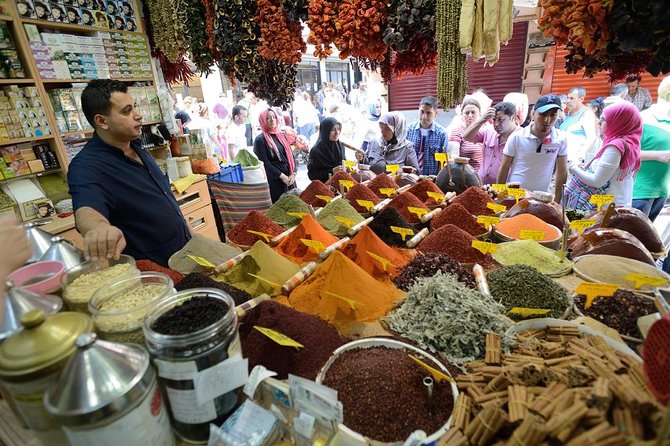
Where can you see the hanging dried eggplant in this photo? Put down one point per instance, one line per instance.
(280, 37)
(236, 35)
(272, 80)
(296, 10)
(199, 52)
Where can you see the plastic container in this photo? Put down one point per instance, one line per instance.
(39, 277)
(179, 357)
(184, 166)
(118, 308)
(230, 173)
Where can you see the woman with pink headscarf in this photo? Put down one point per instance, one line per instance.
(272, 147)
(618, 159)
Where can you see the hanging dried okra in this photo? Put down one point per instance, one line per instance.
(452, 80)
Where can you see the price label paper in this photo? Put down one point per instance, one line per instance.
(296, 214)
(273, 284)
(600, 200)
(385, 263)
(367, 204)
(438, 197)
(441, 158)
(347, 184)
(418, 211)
(392, 168)
(484, 247)
(350, 163)
(260, 234)
(517, 193)
(345, 221)
(497, 208)
(201, 261)
(527, 312)
(488, 220)
(581, 225)
(325, 198)
(314, 244)
(529, 234)
(352, 303)
(388, 191)
(437, 375)
(279, 338)
(641, 279)
(404, 232)
(499, 187)
(593, 290)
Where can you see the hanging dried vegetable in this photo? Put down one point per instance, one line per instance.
(296, 10)
(322, 26)
(280, 38)
(199, 53)
(483, 26)
(272, 80)
(210, 25)
(359, 30)
(236, 36)
(420, 56)
(451, 64)
(165, 36)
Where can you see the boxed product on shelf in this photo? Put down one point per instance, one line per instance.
(10, 64)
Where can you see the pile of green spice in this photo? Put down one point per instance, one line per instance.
(619, 311)
(246, 159)
(338, 216)
(287, 203)
(521, 286)
(531, 253)
(446, 316)
(428, 265)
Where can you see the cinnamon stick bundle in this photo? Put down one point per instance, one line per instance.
(561, 424)
(485, 425)
(604, 433)
(548, 397)
(601, 395)
(531, 432)
(453, 437)
(493, 349)
(462, 412)
(518, 403)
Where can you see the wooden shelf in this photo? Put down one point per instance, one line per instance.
(152, 122)
(16, 81)
(81, 28)
(6, 18)
(82, 132)
(85, 81)
(32, 175)
(22, 140)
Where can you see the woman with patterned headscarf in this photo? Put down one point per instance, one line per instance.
(393, 147)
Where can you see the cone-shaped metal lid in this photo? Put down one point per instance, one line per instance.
(62, 251)
(40, 240)
(101, 379)
(20, 301)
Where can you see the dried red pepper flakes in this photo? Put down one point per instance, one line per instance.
(148, 265)
(257, 222)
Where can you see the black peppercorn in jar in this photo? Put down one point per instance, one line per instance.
(188, 333)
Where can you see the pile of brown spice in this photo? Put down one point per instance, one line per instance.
(457, 215)
(363, 193)
(427, 191)
(457, 243)
(405, 203)
(312, 192)
(382, 181)
(257, 222)
(475, 200)
(341, 175)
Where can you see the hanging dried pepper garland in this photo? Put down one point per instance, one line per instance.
(359, 29)
(236, 36)
(165, 37)
(210, 25)
(199, 53)
(280, 37)
(451, 64)
(322, 26)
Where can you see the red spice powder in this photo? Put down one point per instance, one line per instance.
(148, 265)
(421, 189)
(382, 181)
(361, 192)
(403, 202)
(316, 187)
(457, 215)
(334, 181)
(474, 200)
(254, 221)
(456, 243)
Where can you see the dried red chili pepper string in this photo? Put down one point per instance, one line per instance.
(280, 38)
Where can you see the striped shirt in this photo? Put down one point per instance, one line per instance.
(468, 149)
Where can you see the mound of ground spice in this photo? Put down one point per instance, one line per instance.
(428, 265)
(382, 181)
(382, 223)
(257, 222)
(318, 337)
(338, 216)
(148, 265)
(457, 215)
(512, 227)
(361, 192)
(421, 189)
(373, 255)
(334, 181)
(474, 200)
(457, 243)
(200, 280)
(295, 249)
(619, 311)
(286, 205)
(403, 202)
(316, 187)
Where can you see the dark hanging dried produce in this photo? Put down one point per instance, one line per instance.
(280, 37)
(236, 36)
(296, 10)
(167, 37)
(272, 80)
(199, 52)
(409, 20)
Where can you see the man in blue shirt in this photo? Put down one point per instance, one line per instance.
(122, 200)
(428, 136)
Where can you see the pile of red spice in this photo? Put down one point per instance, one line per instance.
(334, 181)
(316, 187)
(456, 243)
(382, 181)
(148, 265)
(361, 192)
(421, 189)
(254, 221)
(403, 202)
(474, 199)
(318, 337)
(457, 215)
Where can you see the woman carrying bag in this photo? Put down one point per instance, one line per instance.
(274, 150)
(612, 170)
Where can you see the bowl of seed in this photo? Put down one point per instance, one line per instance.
(119, 307)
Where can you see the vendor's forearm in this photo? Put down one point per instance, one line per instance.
(87, 218)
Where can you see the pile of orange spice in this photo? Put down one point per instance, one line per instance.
(373, 255)
(512, 227)
(293, 247)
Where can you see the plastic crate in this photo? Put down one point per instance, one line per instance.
(230, 173)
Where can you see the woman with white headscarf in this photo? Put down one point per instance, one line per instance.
(393, 147)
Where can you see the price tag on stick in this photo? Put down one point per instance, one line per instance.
(488, 220)
(385, 263)
(260, 234)
(530, 234)
(593, 290)
(392, 168)
(347, 184)
(201, 261)
(600, 200)
(438, 197)
(345, 221)
(404, 232)
(499, 187)
(497, 208)
(388, 191)
(279, 338)
(517, 193)
(484, 247)
(441, 158)
(297, 214)
(325, 198)
(273, 284)
(642, 279)
(418, 211)
(581, 225)
(367, 204)
(350, 163)
(352, 303)
(527, 312)
(437, 375)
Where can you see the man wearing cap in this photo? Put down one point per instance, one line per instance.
(531, 153)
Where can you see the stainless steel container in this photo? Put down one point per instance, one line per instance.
(40, 241)
(107, 395)
(64, 252)
(19, 301)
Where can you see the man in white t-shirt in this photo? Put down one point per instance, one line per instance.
(579, 125)
(236, 132)
(531, 153)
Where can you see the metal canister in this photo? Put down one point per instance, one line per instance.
(32, 359)
(108, 395)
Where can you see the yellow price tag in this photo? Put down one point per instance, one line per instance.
(347, 184)
(499, 187)
(488, 220)
(315, 244)
(418, 211)
(437, 375)
(497, 208)
(350, 163)
(385, 263)
(484, 247)
(279, 338)
(517, 193)
(531, 234)
(272, 284)
(581, 225)
(438, 197)
(392, 168)
(201, 261)
(297, 214)
(600, 200)
(593, 290)
(352, 303)
(404, 232)
(367, 204)
(441, 158)
(527, 312)
(260, 234)
(642, 279)
(346, 221)
(325, 198)
(388, 191)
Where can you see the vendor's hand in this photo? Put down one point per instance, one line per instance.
(15, 237)
(489, 115)
(106, 241)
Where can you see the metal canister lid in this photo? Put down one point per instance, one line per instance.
(43, 342)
